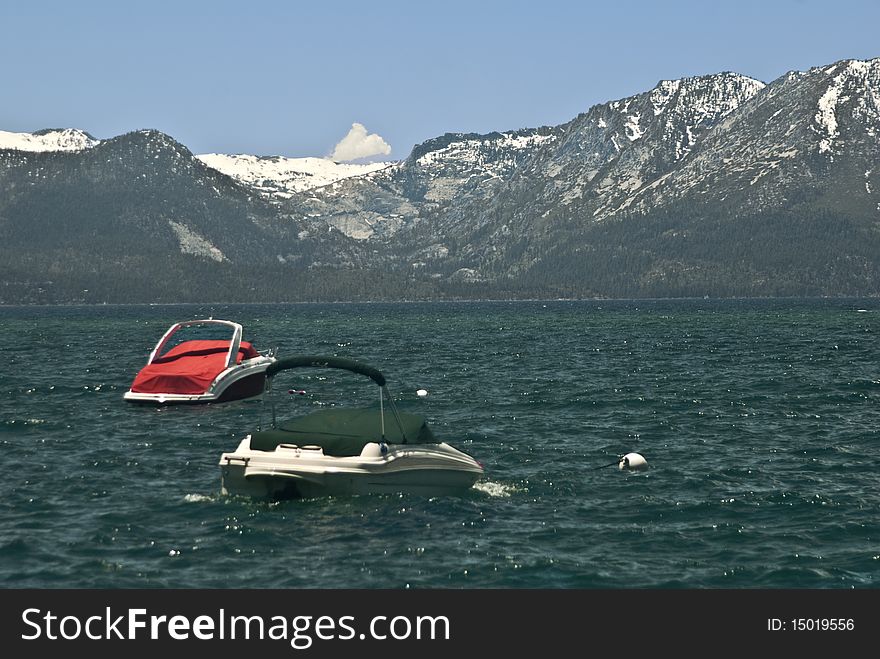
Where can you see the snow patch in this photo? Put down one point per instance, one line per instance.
(193, 243)
(283, 177)
(662, 93)
(633, 130)
(863, 77)
(826, 118)
(472, 149)
(68, 139)
(689, 132)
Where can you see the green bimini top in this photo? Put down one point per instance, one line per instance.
(343, 432)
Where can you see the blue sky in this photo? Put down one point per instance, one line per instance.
(291, 78)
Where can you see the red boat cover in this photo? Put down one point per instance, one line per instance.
(188, 368)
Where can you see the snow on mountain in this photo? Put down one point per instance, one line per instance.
(715, 183)
(450, 164)
(720, 146)
(53, 139)
(770, 145)
(192, 243)
(436, 174)
(852, 79)
(277, 176)
(637, 139)
(591, 166)
(477, 149)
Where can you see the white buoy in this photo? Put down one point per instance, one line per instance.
(421, 393)
(632, 461)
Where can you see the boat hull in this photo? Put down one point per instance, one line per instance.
(293, 472)
(236, 383)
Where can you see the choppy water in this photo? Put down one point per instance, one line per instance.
(760, 420)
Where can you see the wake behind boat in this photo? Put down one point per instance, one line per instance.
(182, 369)
(345, 451)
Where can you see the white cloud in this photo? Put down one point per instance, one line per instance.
(358, 144)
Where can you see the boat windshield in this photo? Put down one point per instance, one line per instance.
(199, 338)
(212, 333)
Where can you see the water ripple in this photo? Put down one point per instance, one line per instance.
(759, 420)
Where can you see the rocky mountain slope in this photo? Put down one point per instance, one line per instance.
(425, 185)
(138, 217)
(777, 198)
(718, 185)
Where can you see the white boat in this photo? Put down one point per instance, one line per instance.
(187, 367)
(341, 451)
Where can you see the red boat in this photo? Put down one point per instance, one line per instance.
(201, 370)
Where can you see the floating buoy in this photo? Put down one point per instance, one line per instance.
(632, 461)
(421, 393)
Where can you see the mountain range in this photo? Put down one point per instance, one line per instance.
(716, 185)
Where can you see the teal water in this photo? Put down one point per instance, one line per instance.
(760, 420)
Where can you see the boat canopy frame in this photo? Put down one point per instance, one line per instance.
(341, 363)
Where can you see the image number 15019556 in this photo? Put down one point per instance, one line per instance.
(810, 624)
